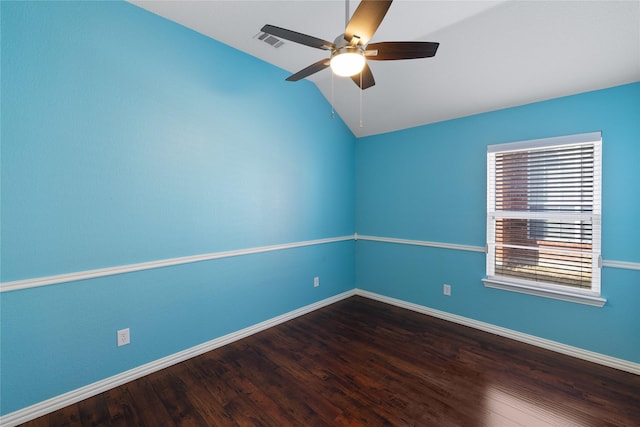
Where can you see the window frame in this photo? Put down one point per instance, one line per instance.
(591, 296)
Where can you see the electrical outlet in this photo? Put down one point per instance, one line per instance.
(123, 337)
(446, 289)
(316, 282)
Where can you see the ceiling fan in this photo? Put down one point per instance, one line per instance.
(350, 51)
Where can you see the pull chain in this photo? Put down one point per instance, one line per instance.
(333, 113)
(361, 99)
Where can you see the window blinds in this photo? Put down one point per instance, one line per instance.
(543, 211)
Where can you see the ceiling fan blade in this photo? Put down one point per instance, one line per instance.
(389, 51)
(298, 37)
(366, 20)
(311, 69)
(367, 78)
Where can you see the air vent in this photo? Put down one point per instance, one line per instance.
(269, 39)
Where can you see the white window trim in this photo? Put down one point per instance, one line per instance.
(564, 293)
(509, 284)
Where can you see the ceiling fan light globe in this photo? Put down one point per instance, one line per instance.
(347, 64)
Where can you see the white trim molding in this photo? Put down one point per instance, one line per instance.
(602, 359)
(621, 264)
(422, 243)
(58, 402)
(558, 294)
(472, 248)
(129, 268)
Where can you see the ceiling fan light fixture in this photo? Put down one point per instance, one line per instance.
(347, 61)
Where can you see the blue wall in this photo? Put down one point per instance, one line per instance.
(429, 183)
(127, 138)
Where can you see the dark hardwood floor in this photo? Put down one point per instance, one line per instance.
(363, 363)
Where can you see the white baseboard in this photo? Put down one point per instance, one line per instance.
(602, 359)
(42, 408)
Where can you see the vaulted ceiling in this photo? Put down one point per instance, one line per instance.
(492, 54)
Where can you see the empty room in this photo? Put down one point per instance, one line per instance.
(322, 213)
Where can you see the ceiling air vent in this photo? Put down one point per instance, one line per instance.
(269, 39)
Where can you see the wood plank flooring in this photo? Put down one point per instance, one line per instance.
(363, 363)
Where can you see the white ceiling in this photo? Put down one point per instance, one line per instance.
(492, 54)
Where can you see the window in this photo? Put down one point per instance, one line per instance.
(543, 217)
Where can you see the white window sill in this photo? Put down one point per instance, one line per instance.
(543, 292)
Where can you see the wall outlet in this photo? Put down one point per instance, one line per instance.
(316, 282)
(446, 289)
(123, 337)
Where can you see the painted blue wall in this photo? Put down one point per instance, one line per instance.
(429, 183)
(127, 138)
